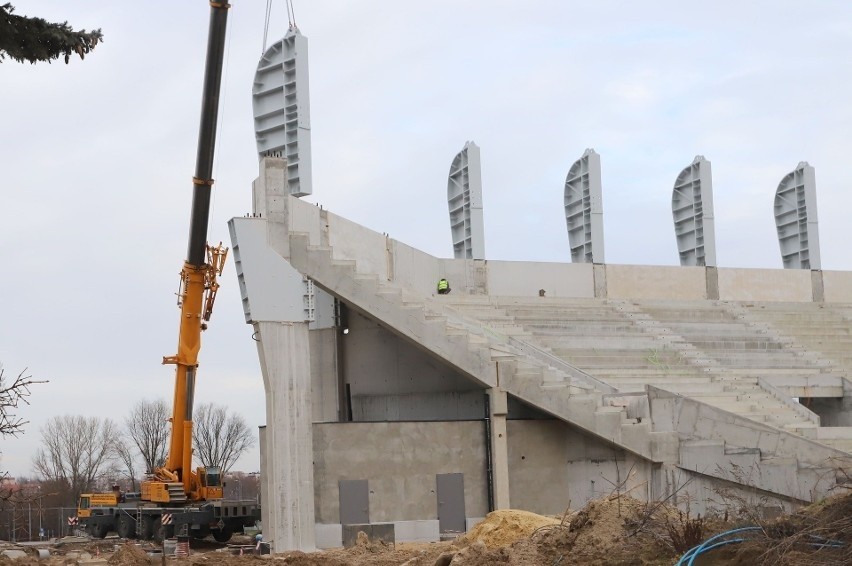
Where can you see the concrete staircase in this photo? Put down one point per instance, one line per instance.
(491, 355)
(596, 364)
(676, 347)
(823, 331)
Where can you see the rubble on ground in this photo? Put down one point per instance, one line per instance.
(613, 530)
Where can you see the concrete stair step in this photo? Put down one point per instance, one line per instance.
(609, 343)
(748, 345)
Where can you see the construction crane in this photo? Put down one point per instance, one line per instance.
(196, 294)
(176, 496)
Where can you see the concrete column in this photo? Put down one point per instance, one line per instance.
(499, 448)
(712, 282)
(266, 510)
(599, 275)
(269, 200)
(284, 353)
(817, 286)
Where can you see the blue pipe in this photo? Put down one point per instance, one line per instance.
(694, 552)
(688, 559)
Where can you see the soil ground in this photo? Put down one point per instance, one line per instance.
(616, 530)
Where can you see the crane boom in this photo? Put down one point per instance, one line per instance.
(195, 254)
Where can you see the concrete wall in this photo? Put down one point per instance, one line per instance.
(324, 390)
(353, 241)
(538, 473)
(377, 362)
(655, 282)
(438, 406)
(553, 466)
(765, 285)
(837, 286)
(412, 268)
(524, 279)
(400, 461)
(705, 495)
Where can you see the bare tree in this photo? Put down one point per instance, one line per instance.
(126, 457)
(219, 440)
(148, 427)
(34, 39)
(11, 395)
(75, 451)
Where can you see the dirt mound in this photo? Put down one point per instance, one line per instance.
(820, 533)
(502, 528)
(615, 530)
(620, 530)
(128, 554)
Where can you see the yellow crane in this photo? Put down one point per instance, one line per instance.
(176, 496)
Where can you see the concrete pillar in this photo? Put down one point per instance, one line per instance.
(284, 353)
(266, 510)
(711, 274)
(499, 448)
(599, 275)
(817, 286)
(273, 301)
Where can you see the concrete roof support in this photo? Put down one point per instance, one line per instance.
(464, 197)
(584, 209)
(282, 109)
(692, 209)
(796, 219)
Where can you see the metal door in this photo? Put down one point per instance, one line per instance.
(354, 502)
(450, 492)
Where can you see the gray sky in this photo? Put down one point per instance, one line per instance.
(97, 156)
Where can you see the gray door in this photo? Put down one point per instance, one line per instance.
(354, 502)
(451, 517)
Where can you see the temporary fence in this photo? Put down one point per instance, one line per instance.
(27, 520)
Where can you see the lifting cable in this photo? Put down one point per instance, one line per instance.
(266, 24)
(291, 19)
(291, 14)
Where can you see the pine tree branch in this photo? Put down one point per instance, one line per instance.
(35, 39)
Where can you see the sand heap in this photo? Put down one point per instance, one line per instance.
(613, 530)
(502, 528)
(129, 554)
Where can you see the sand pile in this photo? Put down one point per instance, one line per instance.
(502, 528)
(129, 554)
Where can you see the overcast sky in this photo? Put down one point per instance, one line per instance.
(97, 156)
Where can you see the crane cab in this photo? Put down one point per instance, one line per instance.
(209, 483)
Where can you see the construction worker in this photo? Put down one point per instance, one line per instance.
(443, 286)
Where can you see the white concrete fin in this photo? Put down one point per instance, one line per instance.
(271, 289)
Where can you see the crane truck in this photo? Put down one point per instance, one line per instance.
(175, 498)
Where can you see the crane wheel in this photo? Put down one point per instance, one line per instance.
(223, 535)
(146, 530)
(126, 527)
(98, 530)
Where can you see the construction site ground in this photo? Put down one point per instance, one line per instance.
(616, 530)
